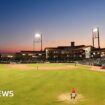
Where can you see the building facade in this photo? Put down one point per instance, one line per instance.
(68, 53)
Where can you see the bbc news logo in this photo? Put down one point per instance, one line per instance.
(6, 93)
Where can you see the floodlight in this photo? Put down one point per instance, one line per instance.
(95, 30)
(37, 35)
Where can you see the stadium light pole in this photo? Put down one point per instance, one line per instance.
(37, 36)
(96, 35)
(93, 37)
(33, 44)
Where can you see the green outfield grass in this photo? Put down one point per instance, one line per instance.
(43, 87)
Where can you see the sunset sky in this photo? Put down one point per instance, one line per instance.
(59, 22)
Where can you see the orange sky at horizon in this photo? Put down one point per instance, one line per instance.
(58, 42)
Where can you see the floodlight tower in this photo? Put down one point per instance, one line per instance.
(36, 37)
(92, 37)
(95, 34)
(33, 44)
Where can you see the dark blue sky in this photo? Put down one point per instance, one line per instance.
(59, 21)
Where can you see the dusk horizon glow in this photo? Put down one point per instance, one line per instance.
(59, 22)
